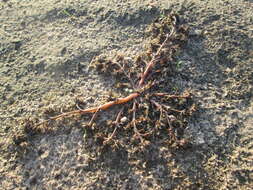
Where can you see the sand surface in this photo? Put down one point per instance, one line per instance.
(45, 49)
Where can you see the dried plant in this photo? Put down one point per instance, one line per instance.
(150, 111)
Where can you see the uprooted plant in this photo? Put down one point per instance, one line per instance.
(152, 109)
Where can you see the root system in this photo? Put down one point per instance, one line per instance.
(152, 110)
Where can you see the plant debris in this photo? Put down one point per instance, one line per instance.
(150, 109)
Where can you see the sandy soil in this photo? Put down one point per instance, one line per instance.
(45, 49)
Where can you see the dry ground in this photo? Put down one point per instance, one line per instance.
(45, 50)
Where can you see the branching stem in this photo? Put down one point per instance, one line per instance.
(154, 60)
(116, 122)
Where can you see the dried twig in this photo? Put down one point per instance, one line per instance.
(186, 95)
(94, 116)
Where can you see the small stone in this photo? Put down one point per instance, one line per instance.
(123, 120)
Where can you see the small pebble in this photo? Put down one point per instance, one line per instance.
(123, 120)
